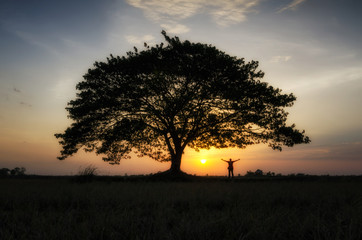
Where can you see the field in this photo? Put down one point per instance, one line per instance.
(58, 208)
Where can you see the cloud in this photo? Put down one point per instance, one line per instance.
(333, 78)
(16, 90)
(25, 104)
(135, 40)
(36, 41)
(64, 88)
(224, 13)
(347, 151)
(291, 6)
(161, 10)
(277, 59)
(175, 28)
(351, 151)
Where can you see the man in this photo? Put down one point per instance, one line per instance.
(230, 167)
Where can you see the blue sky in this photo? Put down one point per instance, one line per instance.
(309, 47)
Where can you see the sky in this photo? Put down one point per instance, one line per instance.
(311, 48)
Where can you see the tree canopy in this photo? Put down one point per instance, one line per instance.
(158, 101)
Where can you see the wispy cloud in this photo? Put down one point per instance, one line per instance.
(36, 41)
(64, 88)
(16, 90)
(291, 6)
(161, 10)
(224, 13)
(335, 77)
(137, 40)
(175, 28)
(341, 152)
(25, 104)
(277, 59)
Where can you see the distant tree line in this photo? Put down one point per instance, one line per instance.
(260, 173)
(18, 171)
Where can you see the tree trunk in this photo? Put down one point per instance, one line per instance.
(176, 162)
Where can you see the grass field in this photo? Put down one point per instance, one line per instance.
(57, 208)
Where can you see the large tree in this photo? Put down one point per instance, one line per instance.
(158, 101)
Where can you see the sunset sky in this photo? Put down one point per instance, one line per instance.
(312, 48)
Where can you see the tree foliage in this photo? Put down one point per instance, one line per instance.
(4, 171)
(17, 171)
(158, 101)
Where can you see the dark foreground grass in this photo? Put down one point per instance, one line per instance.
(61, 209)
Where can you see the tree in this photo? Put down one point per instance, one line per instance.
(158, 101)
(4, 171)
(18, 171)
(259, 172)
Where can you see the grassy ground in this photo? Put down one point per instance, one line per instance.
(57, 208)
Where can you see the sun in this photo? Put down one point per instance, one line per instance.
(203, 161)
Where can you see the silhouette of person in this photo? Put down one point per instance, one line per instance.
(230, 167)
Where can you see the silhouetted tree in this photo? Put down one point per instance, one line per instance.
(270, 174)
(249, 173)
(259, 172)
(4, 171)
(18, 171)
(171, 96)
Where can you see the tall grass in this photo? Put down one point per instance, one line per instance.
(86, 174)
(60, 209)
